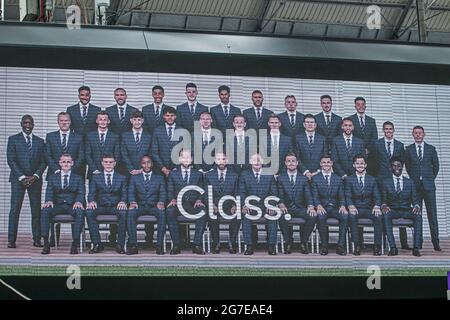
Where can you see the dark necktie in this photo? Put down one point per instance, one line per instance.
(389, 149)
(328, 119)
(138, 140)
(398, 189)
(64, 142)
(361, 121)
(192, 109)
(29, 146)
(84, 117)
(205, 139)
(292, 120)
(185, 177)
(102, 138)
(310, 141)
(157, 112)
(349, 146)
(65, 181)
(258, 113)
(221, 181)
(361, 184)
(292, 180)
(420, 153)
(147, 181)
(327, 180)
(225, 108)
(122, 114)
(108, 180)
(257, 177)
(170, 133)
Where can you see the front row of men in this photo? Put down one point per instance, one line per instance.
(327, 196)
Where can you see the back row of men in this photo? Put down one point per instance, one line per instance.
(128, 134)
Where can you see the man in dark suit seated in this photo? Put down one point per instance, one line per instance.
(83, 113)
(153, 112)
(64, 141)
(400, 200)
(422, 164)
(223, 114)
(363, 201)
(344, 149)
(224, 182)
(278, 145)
(291, 119)
(310, 147)
(26, 159)
(147, 196)
(120, 113)
(65, 195)
(295, 198)
(328, 123)
(191, 110)
(329, 200)
(257, 116)
(107, 195)
(192, 201)
(254, 182)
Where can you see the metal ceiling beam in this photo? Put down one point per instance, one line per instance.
(365, 4)
(264, 9)
(421, 21)
(402, 18)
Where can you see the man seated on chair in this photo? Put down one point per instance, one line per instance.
(107, 196)
(295, 194)
(364, 201)
(65, 195)
(147, 196)
(329, 199)
(192, 201)
(400, 200)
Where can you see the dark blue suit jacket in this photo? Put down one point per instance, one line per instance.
(298, 197)
(342, 158)
(95, 151)
(286, 127)
(22, 162)
(75, 147)
(236, 166)
(248, 186)
(104, 196)
(284, 147)
(75, 192)
(252, 123)
(147, 196)
(309, 156)
(381, 154)
(404, 200)
(203, 166)
(184, 115)
(230, 185)
(370, 133)
(131, 152)
(162, 147)
(367, 199)
(77, 124)
(150, 120)
(333, 130)
(115, 125)
(175, 184)
(428, 168)
(332, 195)
(220, 121)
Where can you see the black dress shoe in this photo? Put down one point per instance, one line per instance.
(132, 250)
(197, 250)
(377, 251)
(288, 249)
(272, 250)
(248, 251)
(416, 252)
(11, 244)
(393, 252)
(119, 249)
(74, 248)
(175, 250)
(160, 251)
(96, 249)
(357, 251)
(324, 251)
(232, 250)
(37, 244)
(341, 251)
(437, 247)
(52, 244)
(304, 248)
(46, 249)
(215, 249)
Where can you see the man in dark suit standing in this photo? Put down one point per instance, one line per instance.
(344, 149)
(277, 143)
(328, 123)
(63, 141)
(224, 113)
(224, 182)
(83, 113)
(257, 116)
(192, 202)
(153, 113)
(207, 138)
(295, 198)
(310, 147)
(107, 195)
(422, 164)
(400, 200)
(364, 201)
(291, 119)
(147, 196)
(26, 159)
(329, 200)
(238, 147)
(191, 110)
(65, 195)
(120, 113)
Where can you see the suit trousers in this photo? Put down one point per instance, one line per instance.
(305, 229)
(93, 225)
(172, 213)
(429, 197)
(408, 214)
(377, 225)
(48, 213)
(323, 228)
(132, 216)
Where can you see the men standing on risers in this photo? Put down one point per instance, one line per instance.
(422, 164)
(147, 196)
(295, 198)
(120, 113)
(64, 141)
(257, 116)
(328, 123)
(83, 113)
(191, 110)
(223, 114)
(224, 182)
(291, 119)
(400, 200)
(364, 201)
(153, 113)
(107, 195)
(329, 200)
(26, 159)
(192, 202)
(65, 195)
